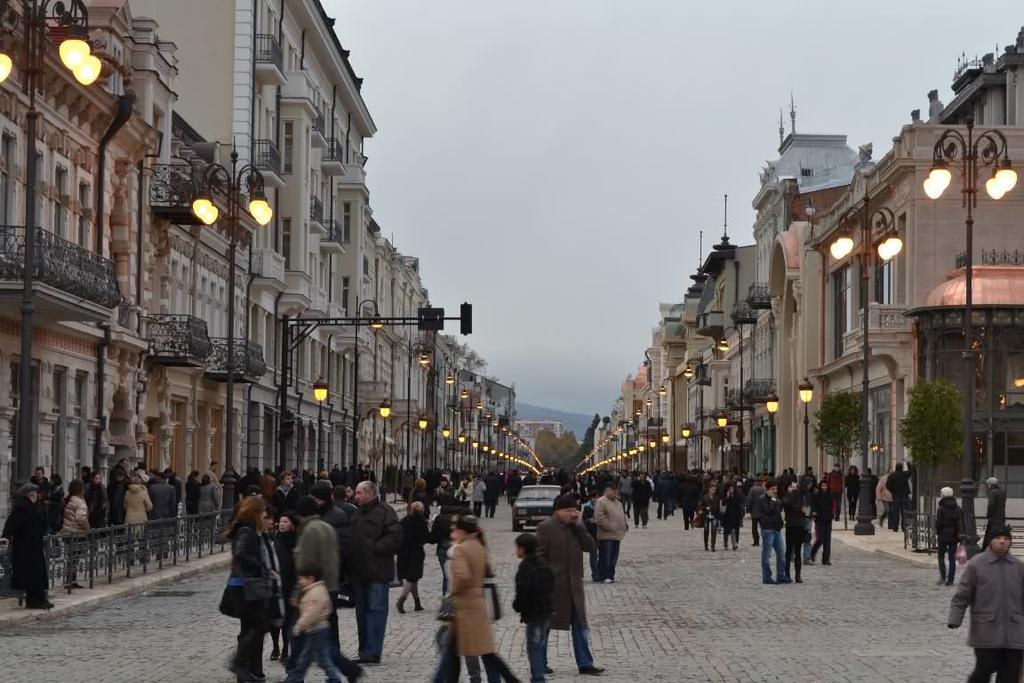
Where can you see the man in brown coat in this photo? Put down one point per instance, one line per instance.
(561, 541)
(610, 519)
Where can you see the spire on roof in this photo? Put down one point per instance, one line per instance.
(782, 130)
(792, 113)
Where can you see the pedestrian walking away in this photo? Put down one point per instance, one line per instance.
(949, 530)
(992, 587)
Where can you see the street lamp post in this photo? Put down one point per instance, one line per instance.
(216, 179)
(320, 390)
(772, 406)
(75, 54)
(883, 222)
(806, 392)
(988, 149)
(384, 409)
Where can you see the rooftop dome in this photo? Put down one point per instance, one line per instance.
(994, 285)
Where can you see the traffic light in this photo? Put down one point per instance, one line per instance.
(431, 319)
(466, 319)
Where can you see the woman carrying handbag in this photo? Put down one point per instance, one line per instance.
(470, 628)
(249, 589)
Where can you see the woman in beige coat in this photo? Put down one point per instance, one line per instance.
(74, 523)
(470, 630)
(136, 503)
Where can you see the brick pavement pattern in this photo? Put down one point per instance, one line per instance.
(676, 613)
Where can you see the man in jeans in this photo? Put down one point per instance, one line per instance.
(376, 539)
(610, 519)
(898, 485)
(771, 534)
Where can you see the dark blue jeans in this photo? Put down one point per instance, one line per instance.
(537, 648)
(595, 565)
(771, 539)
(608, 557)
(947, 553)
(581, 643)
(371, 617)
(309, 646)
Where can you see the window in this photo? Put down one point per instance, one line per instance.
(60, 212)
(806, 172)
(878, 406)
(346, 221)
(79, 396)
(842, 308)
(883, 283)
(286, 242)
(288, 146)
(83, 223)
(344, 292)
(7, 144)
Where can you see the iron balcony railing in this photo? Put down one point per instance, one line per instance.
(268, 50)
(333, 151)
(179, 337)
(732, 399)
(59, 263)
(316, 209)
(132, 548)
(248, 360)
(758, 390)
(993, 257)
(172, 185)
(334, 232)
(743, 314)
(758, 297)
(266, 157)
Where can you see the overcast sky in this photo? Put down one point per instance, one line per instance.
(552, 161)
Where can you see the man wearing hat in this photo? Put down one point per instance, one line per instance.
(610, 519)
(561, 541)
(993, 587)
(996, 513)
(949, 528)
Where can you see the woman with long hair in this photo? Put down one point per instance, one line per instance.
(711, 509)
(74, 514)
(249, 587)
(470, 632)
(284, 545)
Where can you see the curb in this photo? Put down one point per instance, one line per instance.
(131, 587)
(896, 554)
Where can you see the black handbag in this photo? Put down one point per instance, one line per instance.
(257, 588)
(229, 602)
(493, 600)
(346, 597)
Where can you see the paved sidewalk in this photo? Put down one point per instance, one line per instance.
(882, 541)
(102, 592)
(676, 613)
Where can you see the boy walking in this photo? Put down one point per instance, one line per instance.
(311, 632)
(534, 586)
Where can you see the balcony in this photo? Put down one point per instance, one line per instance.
(370, 396)
(171, 190)
(711, 324)
(733, 400)
(299, 89)
(70, 283)
(297, 294)
(269, 61)
(333, 157)
(268, 268)
(888, 326)
(317, 136)
(743, 314)
(267, 159)
(178, 340)
(702, 374)
(758, 390)
(316, 216)
(355, 171)
(333, 240)
(248, 364)
(758, 297)
(317, 302)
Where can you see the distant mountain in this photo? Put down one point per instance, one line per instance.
(575, 422)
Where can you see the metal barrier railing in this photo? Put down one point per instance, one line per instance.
(132, 548)
(919, 533)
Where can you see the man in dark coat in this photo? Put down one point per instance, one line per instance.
(993, 587)
(491, 493)
(995, 514)
(25, 529)
(898, 485)
(561, 541)
(376, 540)
(162, 495)
(642, 492)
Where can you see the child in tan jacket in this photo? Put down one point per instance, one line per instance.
(310, 634)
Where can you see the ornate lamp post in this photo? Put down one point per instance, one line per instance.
(229, 185)
(772, 406)
(320, 391)
(889, 244)
(972, 154)
(75, 54)
(806, 393)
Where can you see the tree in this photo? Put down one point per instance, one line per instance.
(464, 357)
(588, 438)
(837, 424)
(933, 428)
(556, 451)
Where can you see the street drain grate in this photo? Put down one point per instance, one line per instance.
(169, 594)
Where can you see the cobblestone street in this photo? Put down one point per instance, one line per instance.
(676, 614)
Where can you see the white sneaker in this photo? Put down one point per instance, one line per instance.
(609, 581)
